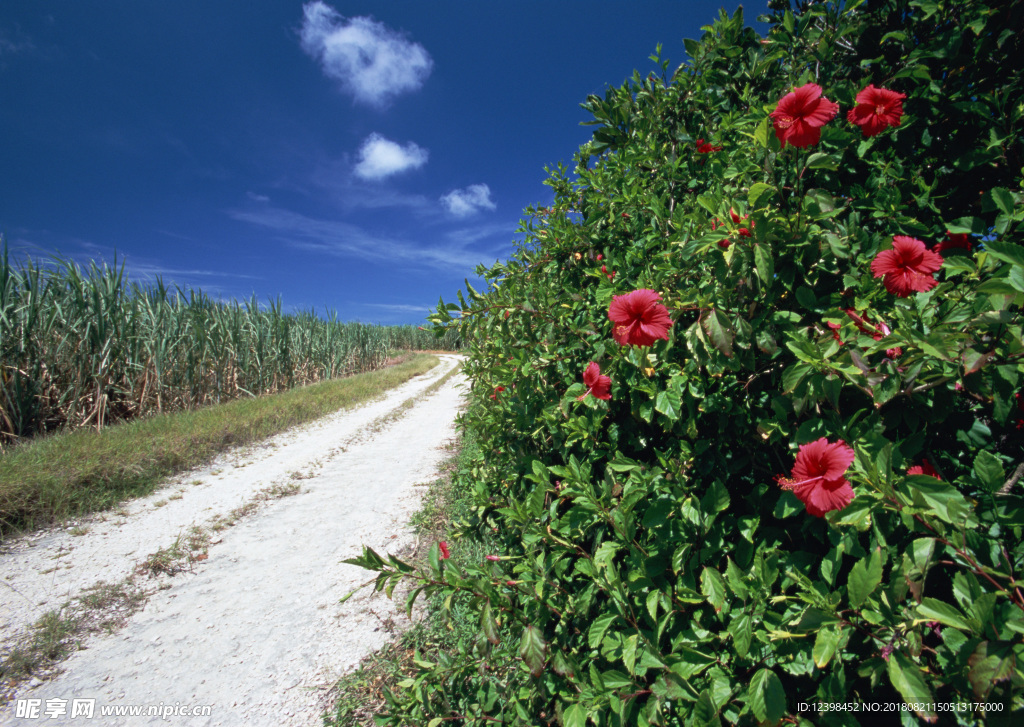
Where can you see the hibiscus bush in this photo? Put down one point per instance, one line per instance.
(748, 394)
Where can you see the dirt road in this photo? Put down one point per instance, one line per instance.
(255, 631)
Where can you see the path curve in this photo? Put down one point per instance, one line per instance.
(256, 631)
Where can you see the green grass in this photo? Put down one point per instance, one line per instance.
(360, 695)
(55, 478)
(102, 608)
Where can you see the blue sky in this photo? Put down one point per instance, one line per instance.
(360, 156)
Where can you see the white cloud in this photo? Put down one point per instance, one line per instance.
(468, 201)
(380, 157)
(372, 62)
(400, 308)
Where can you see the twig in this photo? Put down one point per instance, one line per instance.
(1014, 479)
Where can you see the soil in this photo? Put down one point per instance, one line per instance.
(254, 629)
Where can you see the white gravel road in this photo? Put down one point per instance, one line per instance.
(256, 631)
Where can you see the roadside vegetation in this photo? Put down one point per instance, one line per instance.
(364, 694)
(58, 477)
(747, 397)
(87, 347)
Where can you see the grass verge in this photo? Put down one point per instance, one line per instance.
(360, 695)
(67, 475)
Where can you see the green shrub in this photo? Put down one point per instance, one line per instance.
(655, 570)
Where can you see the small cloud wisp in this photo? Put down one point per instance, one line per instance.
(380, 157)
(468, 201)
(372, 62)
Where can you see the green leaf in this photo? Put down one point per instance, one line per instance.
(1008, 252)
(712, 585)
(764, 264)
(825, 644)
(488, 626)
(820, 160)
(574, 716)
(944, 499)
(988, 469)
(434, 557)
(935, 610)
(758, 192)
(704, 712)
(789, 23)
(742, 632)
(735, 578)
(864, 578)
(1003, 199)
(599, 628)
(990, 663)
(761, 133)
(614, 679)
(669, 403)
(720, 332)
(716, 498)
(766, 697)
(629, 654)
(970, 225)
(531, 650)
(807, 298)
(475, 296)
(906, 676)
(804, 350)
(793, 375)
(708, 203)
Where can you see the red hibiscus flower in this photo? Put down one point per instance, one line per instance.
(834, 327)
(706, 148)
(445, 555)
(877, 108)
(907, 267)
(954, 241)
(639, 318)
(611, 275)
(598, 385)
(817, 476)
(800, 115)
(925, 468)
